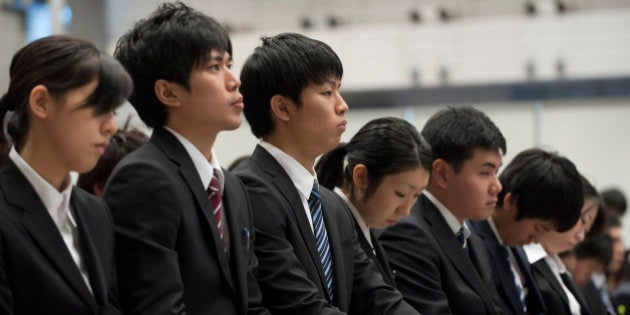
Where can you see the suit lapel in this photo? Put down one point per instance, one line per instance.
(383, 264)
(543, 268)
(335, 243)
(503, 272)
(231, 202)
(90, 255)
(452, 249)
(39, 224)
(283, 183)
(535, 303)
(177, 153)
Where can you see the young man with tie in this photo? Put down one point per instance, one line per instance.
(440, 267)
(310, 259)
(542, 192)
(183, 224)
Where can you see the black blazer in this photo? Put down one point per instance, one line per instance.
(290, 275)
(170, 257)
(376, 254)
(555, 298)
(432, 271)
(503, 276)
(593, 299)
(37, 273)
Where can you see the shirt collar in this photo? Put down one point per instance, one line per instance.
(452, 222)
(357, 216)
(49, 195)
(494, 229)
(205, 168)
(300, 176)
(534, 252)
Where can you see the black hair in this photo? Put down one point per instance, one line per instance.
(615, 200)
(60, 63)
(545, 186)
(600, 220)
(283, 65)
(455, 132)
(599, 248)
(167, 45)
(384, 145)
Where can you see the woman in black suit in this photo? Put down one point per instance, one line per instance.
(557, 286)
(379, 174)
(56, 240)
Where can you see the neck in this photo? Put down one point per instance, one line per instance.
(47, 165)
(444, 198)
(202, 141)
(305, 158)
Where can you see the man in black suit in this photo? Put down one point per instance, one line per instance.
(310, 260)
(184, 227)
(439, 266)
(542, 191)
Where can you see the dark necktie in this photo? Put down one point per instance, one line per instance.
(321, 238)
(519, 290)
(216, 205)
(462, 239)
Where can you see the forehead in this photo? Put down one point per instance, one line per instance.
(482, 157)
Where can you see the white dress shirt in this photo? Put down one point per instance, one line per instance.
(536, 252)
(58, 206)
(206, 170)
(300, 176)
(357, 216)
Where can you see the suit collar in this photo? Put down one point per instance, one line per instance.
(300, 176)
(176, 152)
(452, 249)
(283, 184)
(503, 272)
(37, 221)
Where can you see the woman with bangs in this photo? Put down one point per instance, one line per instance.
(379, 174)
(557, 286)
(56, 240)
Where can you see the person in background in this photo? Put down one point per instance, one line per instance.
(557, 287)
(586, 259)
(379, 174)
(542, 191)
(615, 201)
(56, 240)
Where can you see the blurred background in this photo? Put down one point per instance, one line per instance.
(549, 73)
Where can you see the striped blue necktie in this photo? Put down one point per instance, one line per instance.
(321, 237)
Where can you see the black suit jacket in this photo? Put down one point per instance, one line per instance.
(376, 254)
(170, 257)
(432, 271)
(290, 275)
(593, 298)
(503, 276)
(555, 298)
(37, 272)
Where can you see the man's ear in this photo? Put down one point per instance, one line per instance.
(280, 107)
(509, 202)
(40, 101)
(167, 92)
(441, 173)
